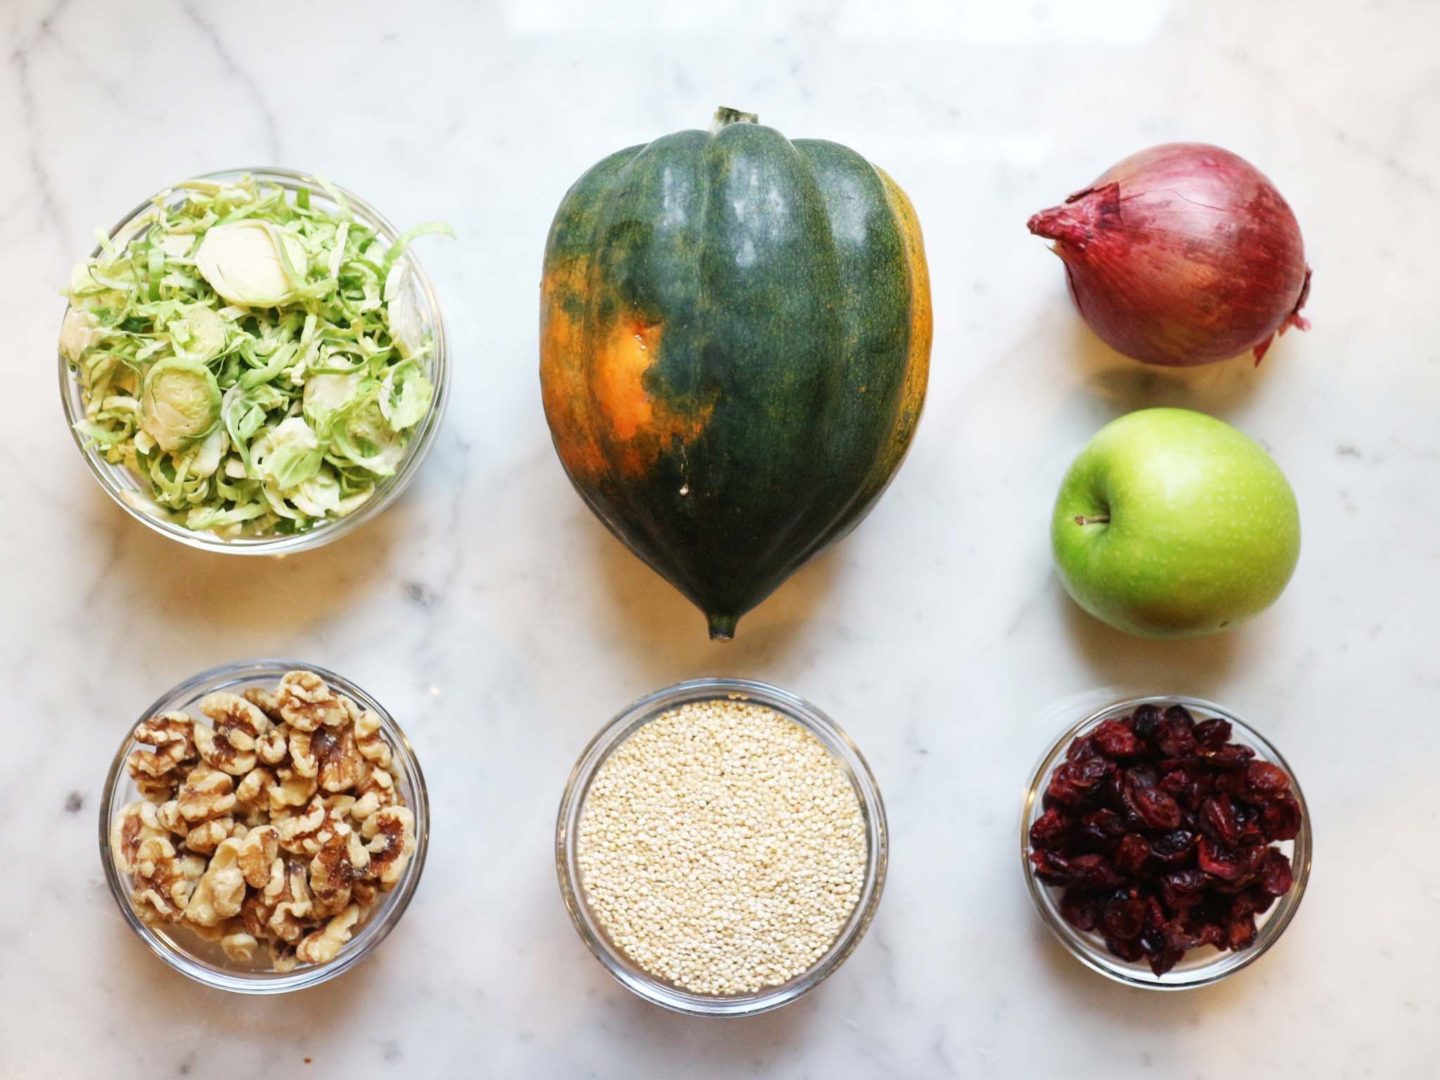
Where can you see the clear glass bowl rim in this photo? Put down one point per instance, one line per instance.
(1093, 954)
(381, 920)
(616, 731)
(387, 491)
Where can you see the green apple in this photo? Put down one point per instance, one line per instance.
(1171, 523)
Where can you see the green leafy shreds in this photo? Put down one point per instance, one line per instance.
(250, 420)
(405, 395)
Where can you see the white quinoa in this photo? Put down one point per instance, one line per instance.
(722, 847)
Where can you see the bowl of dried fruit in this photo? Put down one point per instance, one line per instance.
(721, 847)
(1165, 842)
(264, 826)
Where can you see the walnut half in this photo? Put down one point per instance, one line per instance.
(206, 793)
(221, 889)
(391, 836)
(162, 880)
(258, 851)
(172, 734)
(136, 823)
(322, 946)
(306, 702)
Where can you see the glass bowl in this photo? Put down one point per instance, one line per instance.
(131, 493)
(204, 961)
(1199, 967)
(641, 982)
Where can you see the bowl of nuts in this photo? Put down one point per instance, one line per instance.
(1166, 843)
(264, 826)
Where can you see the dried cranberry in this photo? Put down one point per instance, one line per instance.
(1212, 734)
(1280, 818)
(1174, 848)
(1089, 772)
(1177, 937)
(1229, 782)
(1059, 792)
(1140, 776)
(1267, 779)
(1176, 735)
(1276, 877)
(1099, 830)
(1249, 859)
(1211, 934)
(1155, 914)
(1130, 854)
(1234, 866)
(1176, 781)
(1128, 950)
(1241, 932)
(1167, 951)
(1049, 829)
(1072, 781)
(1116, 739)
(1156, 808)
(1080, 909)
(1240, 905)
(1146, 720)
(1123, 918)
(1184, 888)
(1199, 785)
(1233, 756)
(1218, 820)
(1260, 901)
(1093, 872)
(1251, 831)
(1051, 867)
(1082, 747)
(1212, 908)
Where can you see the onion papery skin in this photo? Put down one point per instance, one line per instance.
(1182, 254)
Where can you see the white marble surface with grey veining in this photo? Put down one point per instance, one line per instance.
(502, 624)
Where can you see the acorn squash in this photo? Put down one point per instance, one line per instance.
(734, 344)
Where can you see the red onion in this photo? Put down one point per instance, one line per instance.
(1181, 254)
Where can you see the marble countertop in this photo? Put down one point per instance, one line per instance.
(502, 625)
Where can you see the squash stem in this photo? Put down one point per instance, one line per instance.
(722, 627)
(725, 116)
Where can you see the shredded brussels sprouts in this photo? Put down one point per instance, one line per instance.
(254, 358)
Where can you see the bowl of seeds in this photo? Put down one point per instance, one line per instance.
(721, 847)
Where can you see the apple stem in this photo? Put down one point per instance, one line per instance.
(1103, 519)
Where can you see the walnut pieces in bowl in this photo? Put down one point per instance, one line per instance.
(264, 826)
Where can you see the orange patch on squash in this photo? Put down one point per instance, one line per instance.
(602, 415)
(635, 425)
(621, 361)
(562, 369)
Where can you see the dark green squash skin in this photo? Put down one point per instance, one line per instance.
(777, 275)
